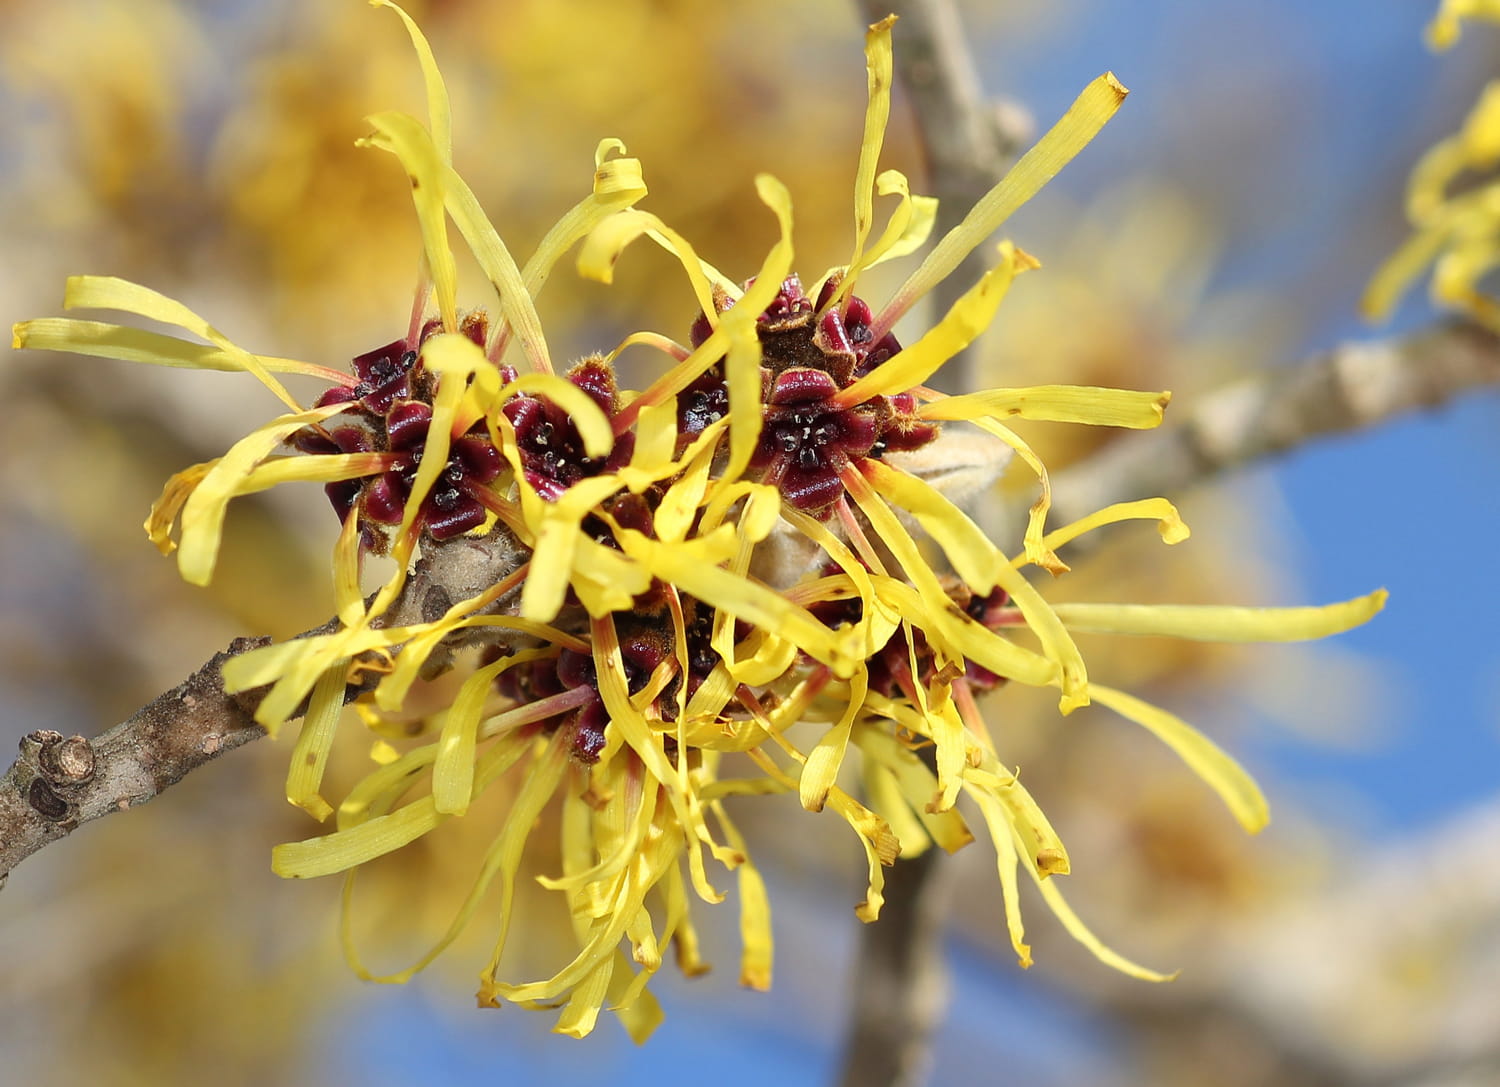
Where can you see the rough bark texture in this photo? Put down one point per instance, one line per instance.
(58, 783)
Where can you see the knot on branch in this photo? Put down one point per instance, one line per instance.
(57, 767)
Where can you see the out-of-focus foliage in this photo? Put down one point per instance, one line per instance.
(1452, 200)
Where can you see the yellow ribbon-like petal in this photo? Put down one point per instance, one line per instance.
(108, 292)
(104, 340)
(1170, 525)
(1205, 758)
(1087, 115)
(618, 183)
(878, 68)
(967, 318)
(1211, 623)
(1056, 403)
(403, 136)
(310, 754)
(203, 512)
(439, 112)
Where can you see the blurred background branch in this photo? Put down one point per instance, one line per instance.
(1278, 409)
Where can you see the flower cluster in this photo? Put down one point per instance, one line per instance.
(728, 584)
(1452, 200)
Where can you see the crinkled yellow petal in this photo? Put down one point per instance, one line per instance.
(516, 304)
(165, 509)
(743, 376)
(1081, 932)
(748, 600)
(344, 849)
(643, 1014)
(108, 292)
(993, 813)
(1457, 274)
(1213, 623)
(258, 667)
(348, 597)
(883, 792)
(680, 505)
(878, 620)
(965, 320)
(970, 639)
(439, 112)
(636, 809)
(878, 68)
(951, 528)
(1087, 115)
(655, 446)
(632, 727)
(605, 580)
(916, 785)
(504, 856)
(455, 358)
(1058, 404)
(403, 136)
(1205, 758)
(1170, 525)
(377, 792)
(614, 234)
(1037, 842)
(947, 732)
(880, 845)
(827, 756)
(581, 1013)
(104, 340)
(324, 468)
(674, 380)
(910, 225)
(742, 363)
(1427, 188)
(499, 758)
(453, 768)
(604, 934)
(757, 952)
(973, 556)
(203, 512)
(1034, 538)
(558, 538)
(618, 183)
(310, 755)
(761, 659)
(293, 667)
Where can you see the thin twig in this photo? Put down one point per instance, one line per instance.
(1349, 388)
(58, 783)
(900, 991)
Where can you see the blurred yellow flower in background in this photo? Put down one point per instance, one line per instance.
(1452, 201)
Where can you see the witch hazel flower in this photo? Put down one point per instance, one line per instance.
(730, 583)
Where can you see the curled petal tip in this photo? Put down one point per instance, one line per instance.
(1115, 85)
